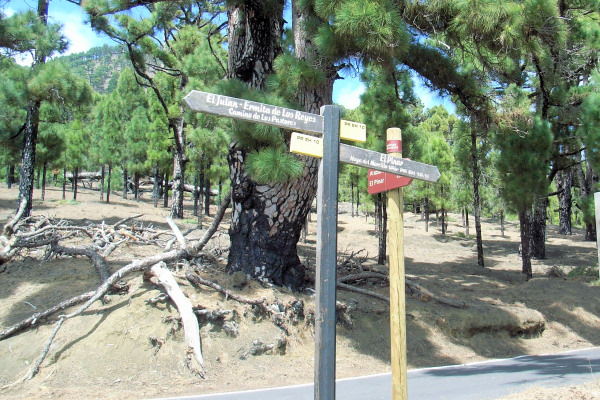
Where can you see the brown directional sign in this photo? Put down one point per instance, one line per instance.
(252, 111)
(388, 163)
(382, 181)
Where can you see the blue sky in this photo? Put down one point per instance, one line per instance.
(346, 91)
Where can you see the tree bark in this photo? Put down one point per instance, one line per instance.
(75, 176)
(538, 233)
(467, 232)
(166, 190)
(64, 196)
(125, 182)
(476, 200)
(207, 194)
(179, 162)
(195, 196)
(156, 186)
(564, 184)
(44, 171)
(136, 185)
(102, 173)
(30, 133)
(525, 222)
(108, 184)
(267, 219)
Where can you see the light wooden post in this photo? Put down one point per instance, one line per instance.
(597, 205)
(396, 259)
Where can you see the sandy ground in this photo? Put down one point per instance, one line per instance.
(110, 351)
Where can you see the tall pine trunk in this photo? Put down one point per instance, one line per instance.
(44, 171)
(30, 133)
(64, 196)
(207, 194)
(125, 182)
(108, 184)
(525, 222)
(75, 178)
(381, 228)
(179, 163)
(564, 184)
(166, 190)
(538, 232)
(476, 199)
(136, 185)
(156, 185)
(102, 178)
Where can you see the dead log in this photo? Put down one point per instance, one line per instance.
(89, 252)
(425, 295)
(188, 318)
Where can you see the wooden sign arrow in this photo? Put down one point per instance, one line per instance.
(382, 181)
(252, 111)
(388, 163)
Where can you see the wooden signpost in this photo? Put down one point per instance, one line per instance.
(328, 147)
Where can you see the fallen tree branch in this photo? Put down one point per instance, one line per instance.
(355, 289)
(188, 318)
(197, 280)
(425, 295)
(36, 368)
(41, 316)
(90, 253)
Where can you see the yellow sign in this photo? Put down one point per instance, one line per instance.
(353, 131)
(307, 145)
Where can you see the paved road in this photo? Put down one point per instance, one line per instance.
(477, 381)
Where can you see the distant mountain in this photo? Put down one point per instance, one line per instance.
(100, 65)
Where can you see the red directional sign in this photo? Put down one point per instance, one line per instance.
(383, 181)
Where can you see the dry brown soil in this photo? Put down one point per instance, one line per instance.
(107, 352)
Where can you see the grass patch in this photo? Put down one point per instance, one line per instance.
(463, 236)
(583, 272)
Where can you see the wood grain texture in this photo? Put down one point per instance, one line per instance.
(397, 276)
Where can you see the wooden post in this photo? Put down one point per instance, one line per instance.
(597, 203)
(396, 262)
(327, 257)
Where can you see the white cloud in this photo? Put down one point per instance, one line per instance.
(81, 37)
(347, 92)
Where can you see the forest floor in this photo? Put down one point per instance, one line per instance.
(124, 349)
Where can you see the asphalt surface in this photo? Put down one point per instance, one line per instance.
(476, 381)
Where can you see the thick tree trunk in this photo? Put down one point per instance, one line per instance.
(108, 184)
(179, 162)
(476, 200)
(564, 184)
(538, 234)
(525, 222)
(267, 219)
